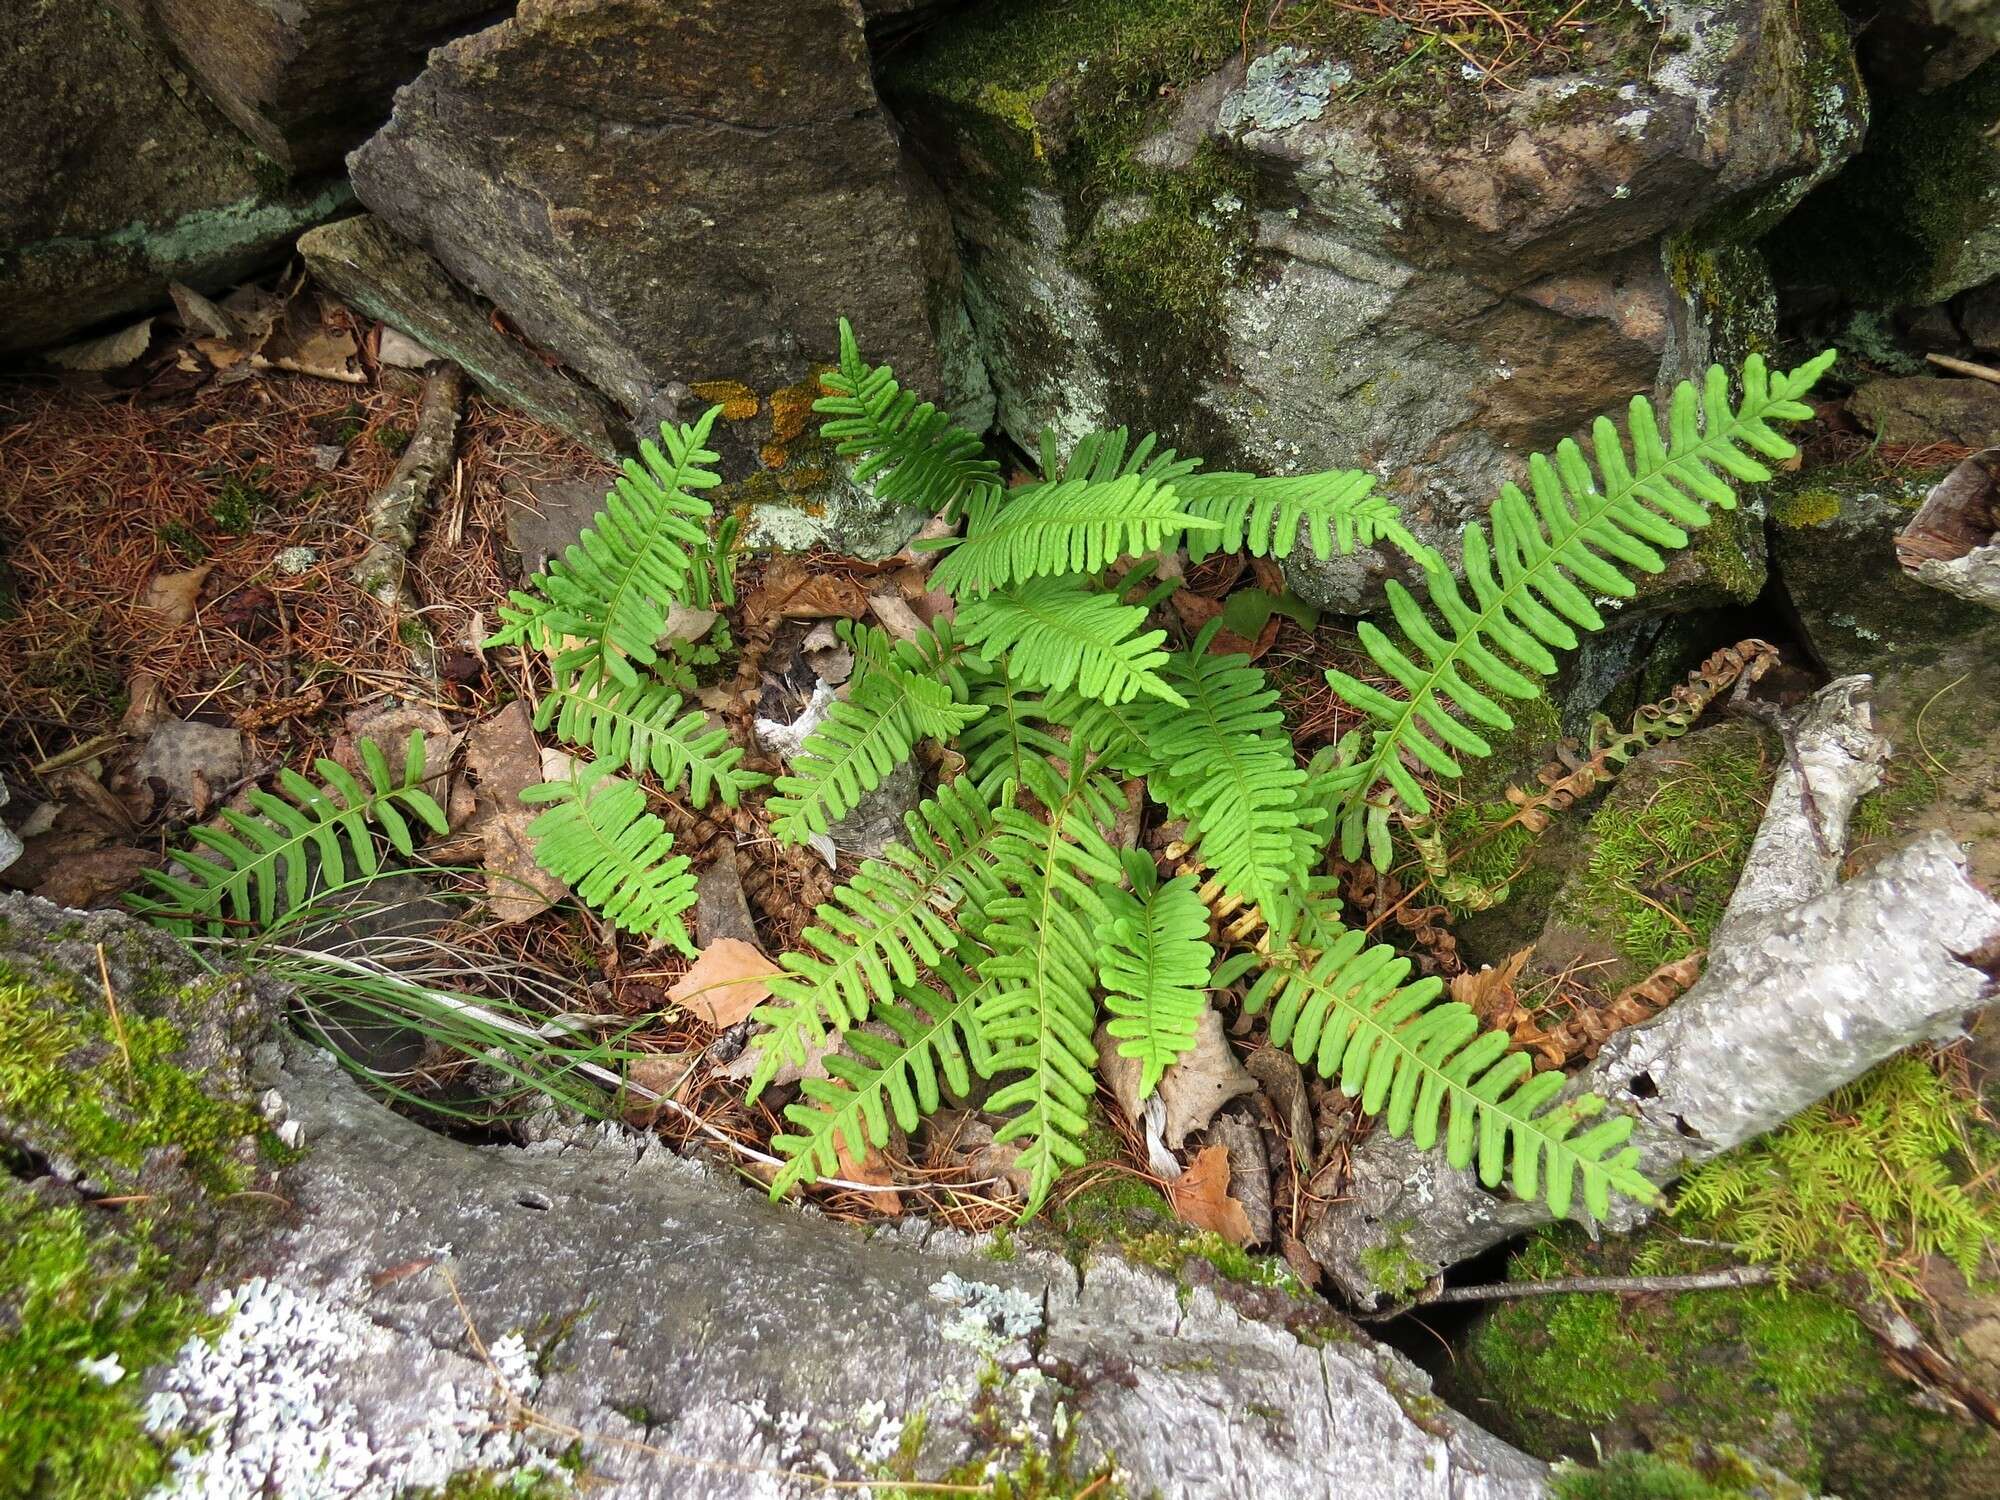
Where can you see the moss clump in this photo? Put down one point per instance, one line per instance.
(393, 440)
(1681, 1472)
(1804, 508)
(185, 541)
(72, 1293)
(1393, 1271)
(141, 1099)
(1171, 1249)
(1894, 1159)
(1660, 873)
(240, 500)
(495, 1484)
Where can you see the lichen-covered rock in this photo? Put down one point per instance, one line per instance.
(1332, 254)
(672, 1322)
(1919, 410)
(305, 79)
(679, 202)
(118, 177)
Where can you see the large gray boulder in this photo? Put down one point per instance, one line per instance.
(1338, 251)
(118, 177)
(405, 1304)
(679, 202)
(305, 79)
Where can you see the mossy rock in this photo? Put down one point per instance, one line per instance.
(1935, 659)
(1792, 1379)
(139, 1167)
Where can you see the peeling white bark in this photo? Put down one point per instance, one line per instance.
(1809, 984)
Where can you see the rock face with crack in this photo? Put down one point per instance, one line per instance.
(1336, 256)
(120, 177)
(696, 1336)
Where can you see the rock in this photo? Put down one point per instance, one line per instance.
(1915, 217)
(738, 1338)
(10, 842)
(305, 79)
(180, 750)
(1923, 409)
(385, 277)
(1304, 263)
(877, 819)
(119, 178)
(720, 910)
(1979, 315)
(545, 517)
(1935, 658)
(1925, 45)
(679, 203)
(1578, 1376)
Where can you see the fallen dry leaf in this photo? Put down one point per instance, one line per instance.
(792, 589)
(501, 751)
(390, 726)
(111, 351)
(1200, 1197)
(665, 1076)
(1194, 1088)
(174, 596)
(198, 314)
(896, 617)
(726, 982)
(874, 1170)
(1283, 1081)
(1490, 992)
(516, 887)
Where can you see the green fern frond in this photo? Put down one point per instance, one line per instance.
(1154, 967)
(898, 912)
(899, 694)
(602, 606)
(909, 452)
(1039, 1016)
(1065, 526)
(1224, 763)
(255, 859)
(1018, 726)
(1531, 584)
(599, 840)
(641, 728)
(1056, 633)
(935, 1041)
(1338, 511)
(1423, 1066)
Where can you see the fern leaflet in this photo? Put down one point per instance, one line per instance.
(255, 858)
(1039, 1016)
(899, 694)
(850, 1109)
(896, 913)
(1057, 633)
(641, 728)
(602, 606)
(1066, 526)
(909, 452)
(1154, 967)
(1531, 584)
(599, 840)
(1349, 1014)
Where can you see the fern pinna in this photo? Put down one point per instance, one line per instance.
(985, 950)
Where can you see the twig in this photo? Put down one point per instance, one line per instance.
(111, 1003)
(1631, 1286)
(1964, 367)
(77, 754)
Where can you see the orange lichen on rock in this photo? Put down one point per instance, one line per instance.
(738, 402)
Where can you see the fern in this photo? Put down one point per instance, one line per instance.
(1056, 633)
(1154, 968)
(1224, 764)
(602, 607)
(896, 914)
(1066, 526)
(1531, 584)
(899, 694)
(1349, 1014)
(1039, 1016)
(254, 859)
(599, 840)
(935, 1038)
(908, 451)
(642, 728)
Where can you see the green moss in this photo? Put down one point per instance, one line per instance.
(1659, 874)
(240, 500)
(1908, 786)
(184, 540)
(142, 1099)
(69, 1292)
(494, 1484)
(1724, 1474)
(1392, 1270)
(1172, 1249)
(1894, 223)
(1804, 508)
(393, 439)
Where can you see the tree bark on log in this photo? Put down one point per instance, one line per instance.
(1809, 984)
(394, 511)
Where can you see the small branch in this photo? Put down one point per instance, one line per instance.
(395, 510)
(1964, 367)
(1630, 1286)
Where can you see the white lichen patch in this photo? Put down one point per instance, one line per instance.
(269, 1407)
(1281, 89)
(996, 1321)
